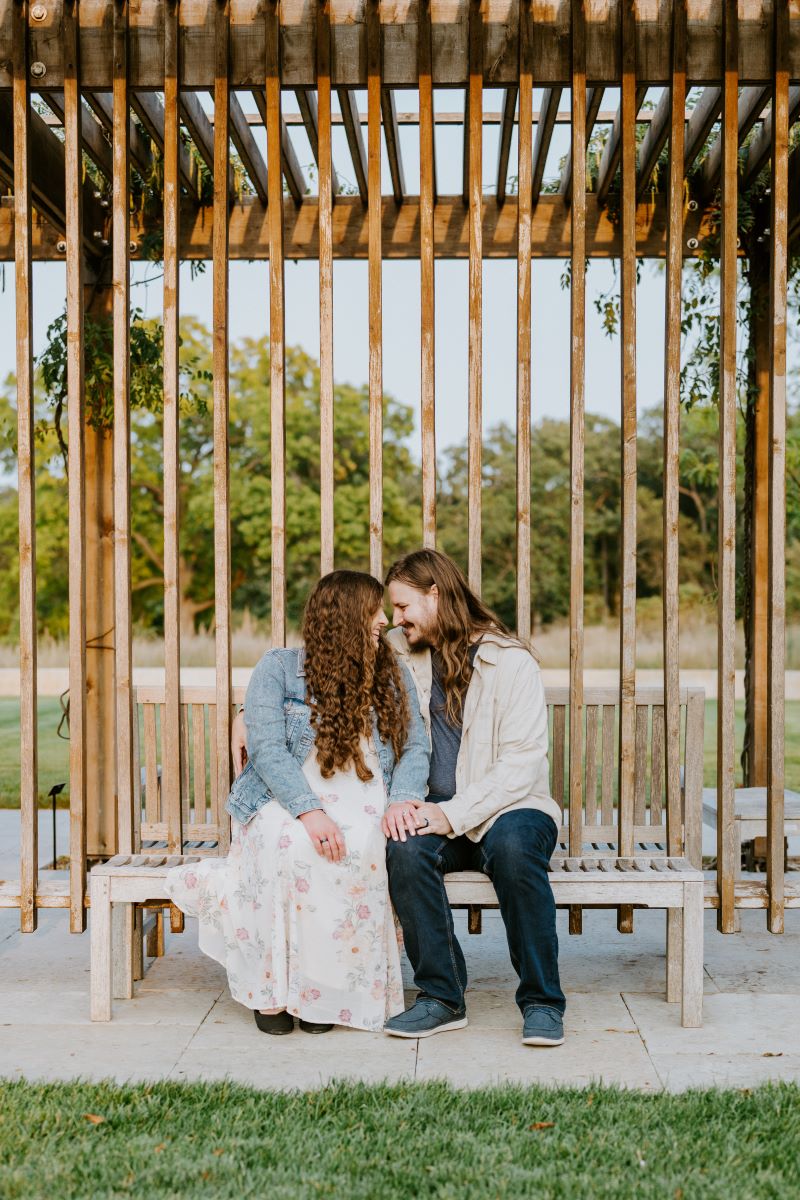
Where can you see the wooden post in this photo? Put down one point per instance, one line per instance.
(375, 275)
(427, 188)
(326, 490)
(474, 141)
(524, 191)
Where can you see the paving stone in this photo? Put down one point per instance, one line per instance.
(733, 1024)
(107, 1051)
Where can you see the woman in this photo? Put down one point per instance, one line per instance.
(299, 912)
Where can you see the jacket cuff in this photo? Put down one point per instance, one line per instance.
(451, 810)
(400, 797)
(303, 804)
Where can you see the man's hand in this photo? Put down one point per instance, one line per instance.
(239, 743)
(326, 836)
(400, 817)
(437, 821)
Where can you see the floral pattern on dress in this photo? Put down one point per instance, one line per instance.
(294, 930)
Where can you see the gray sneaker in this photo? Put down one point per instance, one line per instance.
(425, 1017)
(543, 1026)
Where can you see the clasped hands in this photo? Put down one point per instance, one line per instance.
(412, 817)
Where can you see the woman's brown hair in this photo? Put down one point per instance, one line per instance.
(460, 615)
(348, 676)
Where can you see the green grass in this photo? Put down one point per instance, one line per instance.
(53, 752)
(791, 744)
(429, 1140)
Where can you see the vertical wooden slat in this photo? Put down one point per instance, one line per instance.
(29, 778)
(375, 271)
(217, 814)
(524, 169)
(640, 766)
(672, 407)
(726, 554)
(152, 807)
(657, 763)
(427, 279)
(776, 649)
(576, 425)
(170, 729)
(607, 785)
(559, 734)
(277, 326)
(184, 764)
(325, 286)
(475, 350)
(76, 474)
(590, 773)
(123, 653)
(137, 781)
(693, 777)
(222, 526)
(199, 762)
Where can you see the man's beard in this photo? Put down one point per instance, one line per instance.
(425, 637)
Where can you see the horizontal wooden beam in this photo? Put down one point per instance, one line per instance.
(400, 24)
(550, 230)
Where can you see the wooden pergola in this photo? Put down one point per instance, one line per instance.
(124, 78)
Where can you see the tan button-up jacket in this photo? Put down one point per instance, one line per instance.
(502, 762)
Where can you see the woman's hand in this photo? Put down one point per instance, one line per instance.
(239, 743)
(326, 836)
(399, 817)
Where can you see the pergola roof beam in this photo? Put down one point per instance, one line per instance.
(653, 143)
(701, 122)
(751, 103)
(247, 149)
(612, 151)
(92, 140)
(201, 132)
(150, 111)
(392, 135)
(48, 183)
(504, 149)
(544, 134)
(102, 106)
(355, 139)
(292, 171)
(465, 154)
(760, 149)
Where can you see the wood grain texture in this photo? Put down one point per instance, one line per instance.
(277, 329)
(322, 116)
(672, 408)
(776, 648)
(524, 176)
(427, 185)
(475, 348)
(222, 531)
(170, 731)
(577, 426)
(76, 480)
(726, 553)
(375, 287)
(29, 777)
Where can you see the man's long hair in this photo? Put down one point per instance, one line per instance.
(460, 615)
(347, 675)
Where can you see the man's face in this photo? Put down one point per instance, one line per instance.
(415, 612)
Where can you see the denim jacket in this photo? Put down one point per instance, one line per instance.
(280, 737)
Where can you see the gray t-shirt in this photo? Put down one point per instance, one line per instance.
(445, 738)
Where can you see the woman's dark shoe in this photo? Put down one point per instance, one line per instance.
(314, 1027)
(277, 1023)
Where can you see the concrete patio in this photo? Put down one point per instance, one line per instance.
(182, 1024)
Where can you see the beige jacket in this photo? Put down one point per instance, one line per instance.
(502, 762)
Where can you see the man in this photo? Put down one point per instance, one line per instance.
(488, 807)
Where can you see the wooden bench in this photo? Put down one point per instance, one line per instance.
(596, 876)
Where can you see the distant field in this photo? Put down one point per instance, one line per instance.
(54, 751)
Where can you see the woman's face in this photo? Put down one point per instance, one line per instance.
(378, 622)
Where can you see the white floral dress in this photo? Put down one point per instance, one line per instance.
(293, 930)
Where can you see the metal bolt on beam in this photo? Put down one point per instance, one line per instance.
(38, 69)
(38, 12)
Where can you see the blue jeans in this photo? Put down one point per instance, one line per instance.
(514, 853)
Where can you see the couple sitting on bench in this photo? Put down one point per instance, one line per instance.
(376, 764)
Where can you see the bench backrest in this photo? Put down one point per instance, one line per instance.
(205, 824)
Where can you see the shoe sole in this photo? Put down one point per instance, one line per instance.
(421, 1033)
(542, 1041)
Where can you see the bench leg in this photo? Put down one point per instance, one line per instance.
(122, 921)
(138, 946)
(692, 998)
(100, 949)
(674, 954)
(155, 938)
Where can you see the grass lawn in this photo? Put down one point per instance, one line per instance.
(415, 1140)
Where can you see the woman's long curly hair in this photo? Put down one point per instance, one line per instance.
(460, 616)
(348, 676)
